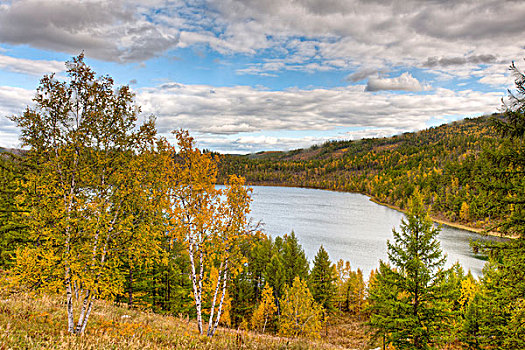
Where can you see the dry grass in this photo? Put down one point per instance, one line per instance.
(347, 331)
(28, 322)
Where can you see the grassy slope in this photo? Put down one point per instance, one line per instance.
(39, 323)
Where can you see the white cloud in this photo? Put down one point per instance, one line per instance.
(240, 109)
(307, 35)
(378, 34)
(255, 143)
(405, 82)
(108, 30)
(12, 102)
(226, 118)
(32, 67)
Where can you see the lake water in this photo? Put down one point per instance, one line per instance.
(348, 225)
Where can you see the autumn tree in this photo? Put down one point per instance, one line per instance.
(13, 170)
(300, 314)
(210, 222)
(94, 169)
(409, 302)
(350, 288)
(265, 311)
(355, 292)
(343, 270)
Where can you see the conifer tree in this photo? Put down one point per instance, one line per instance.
(294, 259)
(500, 301)
(275, 277)
(322, 281)
(409, 301)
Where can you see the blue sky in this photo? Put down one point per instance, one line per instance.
(251, 75)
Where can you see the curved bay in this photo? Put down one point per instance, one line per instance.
(348, 225)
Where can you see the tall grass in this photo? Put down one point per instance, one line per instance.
(39, 322)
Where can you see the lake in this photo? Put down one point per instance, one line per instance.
(348, 225)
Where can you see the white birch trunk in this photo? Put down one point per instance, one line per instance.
(82, 316)
(219, 312)
(196, 294)
(84, 323)
(212, 311)
(69, 302)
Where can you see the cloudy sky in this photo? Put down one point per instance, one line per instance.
(251, 75)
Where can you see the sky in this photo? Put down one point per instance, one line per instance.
(251, 75)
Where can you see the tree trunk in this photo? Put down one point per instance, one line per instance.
(196, 284)
(224, 283)
(69, 302)
(83, 312)
(212, 311)
(84, 323)
(130, 288)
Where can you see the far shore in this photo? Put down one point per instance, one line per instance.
(375, 200)
(446, 222)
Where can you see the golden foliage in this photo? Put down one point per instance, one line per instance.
(300, 314)
(265, 311)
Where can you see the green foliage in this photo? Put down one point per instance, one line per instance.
(495, 317)
(409, 302)
(294, 260)
(322, 281)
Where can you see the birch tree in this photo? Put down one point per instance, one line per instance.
(300, 314)
(210, 222)
(94, 169)
(265, 311)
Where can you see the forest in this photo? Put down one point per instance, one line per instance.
(99, 211)
(447, 164)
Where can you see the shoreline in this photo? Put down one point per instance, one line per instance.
(375, 200)
(446, 222)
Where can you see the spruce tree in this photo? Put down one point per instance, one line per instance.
(294, 259)
(322, 280)
(501, 306)
(409, 300)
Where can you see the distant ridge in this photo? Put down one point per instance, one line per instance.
(441, 162)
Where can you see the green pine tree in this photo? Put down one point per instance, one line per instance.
(294, 259)
(322, 281)
(409, 301)
(500, 305)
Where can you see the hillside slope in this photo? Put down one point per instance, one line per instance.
(443, 163)
(29, 322)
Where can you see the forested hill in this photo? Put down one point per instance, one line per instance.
(444, 163)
